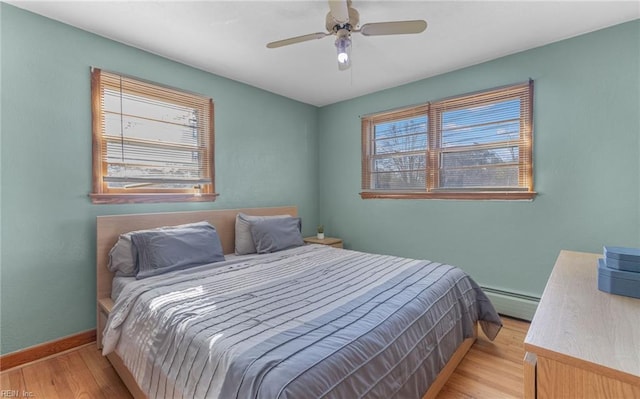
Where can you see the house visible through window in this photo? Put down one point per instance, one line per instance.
(150, 143)
(476, 146)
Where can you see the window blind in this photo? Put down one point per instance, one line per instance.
(396, 150)
(460, 147)
(151, 137)
(484, 140)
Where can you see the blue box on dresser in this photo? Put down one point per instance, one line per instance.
(624, 265)
(621, 258)
(618, 282)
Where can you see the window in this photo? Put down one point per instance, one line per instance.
(476, 146)
(150, 143)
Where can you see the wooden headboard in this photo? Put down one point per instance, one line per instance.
(109, 229)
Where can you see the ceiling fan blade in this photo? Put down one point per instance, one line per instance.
(297, 39)
(339, 11)
(393, 28)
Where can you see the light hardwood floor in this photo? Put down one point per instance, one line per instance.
(490, 370)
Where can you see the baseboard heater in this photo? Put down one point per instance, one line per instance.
(512, 304)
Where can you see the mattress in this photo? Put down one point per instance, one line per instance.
(310, 322)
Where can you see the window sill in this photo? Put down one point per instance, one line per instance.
(139, 198)
(452, 195)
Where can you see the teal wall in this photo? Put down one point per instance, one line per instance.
(48, 222)
(586, 148)
(586, 158)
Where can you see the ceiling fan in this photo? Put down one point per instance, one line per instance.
(342, 20)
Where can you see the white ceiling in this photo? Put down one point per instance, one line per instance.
(228, 38)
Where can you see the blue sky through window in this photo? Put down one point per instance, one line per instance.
(401, 135)
(482, 125)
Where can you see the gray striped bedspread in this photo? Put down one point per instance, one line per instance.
(310, 322)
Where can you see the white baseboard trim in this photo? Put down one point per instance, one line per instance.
(512, 304)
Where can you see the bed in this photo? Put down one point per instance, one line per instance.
(307, 322)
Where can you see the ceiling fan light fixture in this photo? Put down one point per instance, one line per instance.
(343, 46)
(342, 20)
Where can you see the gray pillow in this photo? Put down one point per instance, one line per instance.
(271, 235)
(163, 251)
(244, 240)
(123, 257)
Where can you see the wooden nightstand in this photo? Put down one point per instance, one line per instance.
(330, 241)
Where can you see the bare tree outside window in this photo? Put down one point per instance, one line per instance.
(400, 149)
(475, 146)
